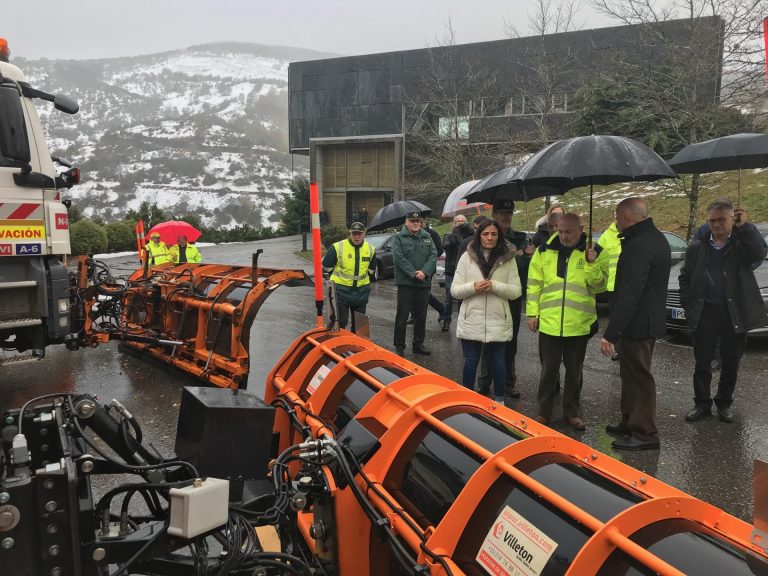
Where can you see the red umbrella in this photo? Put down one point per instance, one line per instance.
(171, 230)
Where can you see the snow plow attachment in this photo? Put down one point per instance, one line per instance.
(448, 482)
(195, 317)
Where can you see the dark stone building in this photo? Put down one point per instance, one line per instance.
(354, 115)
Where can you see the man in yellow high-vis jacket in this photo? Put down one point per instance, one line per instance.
(157, 251)
(184, 252)
(351, 262)
(611, 243)
(563, 278)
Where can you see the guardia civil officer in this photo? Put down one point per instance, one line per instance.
(415, 259)
(349, 264)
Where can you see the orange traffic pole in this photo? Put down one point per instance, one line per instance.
(765, 39)
(314, 206)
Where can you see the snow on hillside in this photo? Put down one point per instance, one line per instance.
(230, 65)
(199, 130)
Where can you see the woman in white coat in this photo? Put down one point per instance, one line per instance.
(486, 279)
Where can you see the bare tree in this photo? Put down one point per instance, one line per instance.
(548, 66)
(448, 140)
(705, 76)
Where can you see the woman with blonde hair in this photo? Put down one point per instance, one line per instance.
(486, 280)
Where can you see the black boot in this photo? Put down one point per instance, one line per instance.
(421, 349)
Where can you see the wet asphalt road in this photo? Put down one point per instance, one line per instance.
(710, 460)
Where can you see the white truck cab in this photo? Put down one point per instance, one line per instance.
(34, 227)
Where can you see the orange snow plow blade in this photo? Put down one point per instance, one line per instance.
(467, 486)
(195, 317)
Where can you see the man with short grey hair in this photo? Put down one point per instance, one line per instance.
(638, 318)
(722, 303)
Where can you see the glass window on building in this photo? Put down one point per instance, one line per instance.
(454, 127)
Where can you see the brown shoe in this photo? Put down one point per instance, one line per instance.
(542, 420)
(576, 423)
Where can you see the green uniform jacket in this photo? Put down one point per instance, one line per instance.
(411, 254)
(611, 243)
(193, 254)
(562, 287)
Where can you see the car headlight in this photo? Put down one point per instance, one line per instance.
(764, 292)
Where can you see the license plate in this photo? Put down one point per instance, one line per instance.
(678, 313)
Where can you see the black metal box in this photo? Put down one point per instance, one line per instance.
(225, 433)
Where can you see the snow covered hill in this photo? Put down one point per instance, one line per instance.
(202, 130)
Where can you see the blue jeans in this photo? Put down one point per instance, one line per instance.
(448, 305)
(496, 355)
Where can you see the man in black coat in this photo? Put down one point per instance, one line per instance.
(638, 318)
(451, 244)
(722, 302)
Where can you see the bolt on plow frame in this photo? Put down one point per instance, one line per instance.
(195, 317)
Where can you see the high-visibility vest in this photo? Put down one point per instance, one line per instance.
(158, 254)
(344, 271)
(564, 306)
(193, 254)
(611, 243)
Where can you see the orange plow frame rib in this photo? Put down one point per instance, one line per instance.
(312, 376)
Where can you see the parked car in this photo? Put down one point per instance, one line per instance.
(677, 245)
(676, 313)
(385, 263)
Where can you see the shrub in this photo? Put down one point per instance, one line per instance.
(332, 234)
(87, 237)
(120, 236)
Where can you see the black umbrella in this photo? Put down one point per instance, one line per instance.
(589, 160)
(394, 214)
(727, 153)
(501, 184)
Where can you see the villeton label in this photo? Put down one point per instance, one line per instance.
(515, 547)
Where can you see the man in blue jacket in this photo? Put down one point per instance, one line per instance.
(415, 258)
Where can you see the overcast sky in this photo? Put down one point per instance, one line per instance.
(108, 28)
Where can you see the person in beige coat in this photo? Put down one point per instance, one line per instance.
(486, 279)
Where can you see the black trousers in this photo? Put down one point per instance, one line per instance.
(484, 380)
(638, 387)
(345, 310)
(715, 323)
(413, 300)
(570, 350)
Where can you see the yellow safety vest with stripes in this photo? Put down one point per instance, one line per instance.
(158, 253)
(611, 243)
(564, 306)
(344, 271)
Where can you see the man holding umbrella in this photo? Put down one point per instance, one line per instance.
(722, 303)
(638, 318)
(182, 252)
(415, 259)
